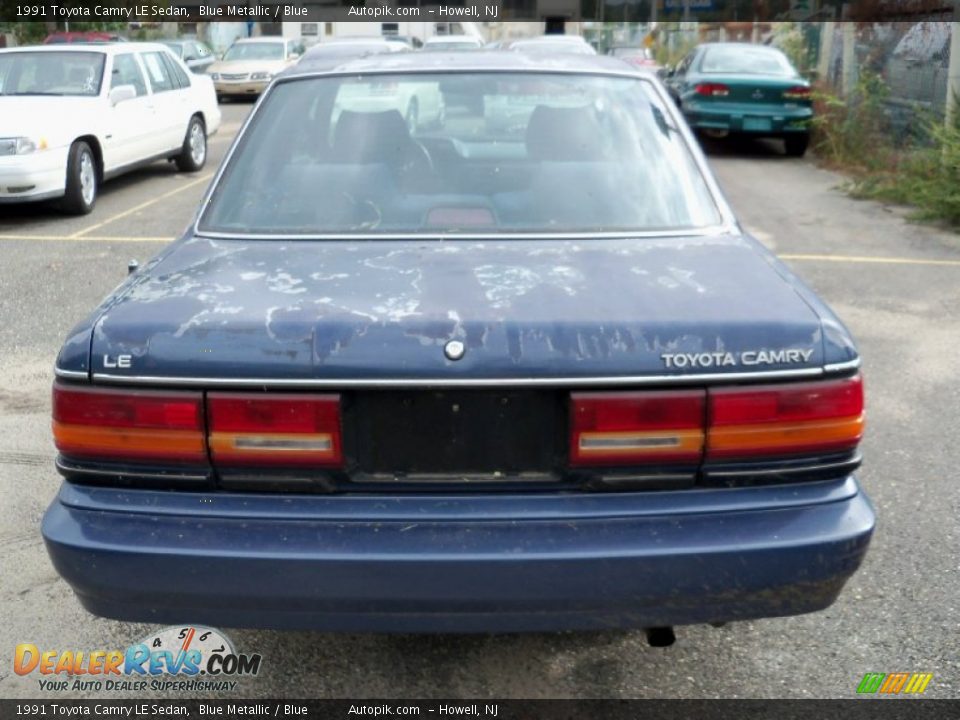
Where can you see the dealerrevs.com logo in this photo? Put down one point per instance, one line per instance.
(176, 658)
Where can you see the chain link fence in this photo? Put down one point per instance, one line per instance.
(911, 59)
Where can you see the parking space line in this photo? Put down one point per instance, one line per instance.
(141, 206)
(851, 259)
(89, 238)
(869, 259)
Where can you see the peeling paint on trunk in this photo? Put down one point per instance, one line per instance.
(523, 308)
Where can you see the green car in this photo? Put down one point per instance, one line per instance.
(725, 88)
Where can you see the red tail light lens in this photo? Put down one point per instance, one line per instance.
(645, 427)
(797, 93)
(121, 425)
(800, 418)
(252, 429)
(712, 89)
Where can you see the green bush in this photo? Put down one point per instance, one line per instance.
(851, 132)
(927, 178)
(922, 171)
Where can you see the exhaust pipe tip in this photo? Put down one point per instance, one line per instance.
(660, 636)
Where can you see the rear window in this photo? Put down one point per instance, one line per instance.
(460, 153)
(746, 60)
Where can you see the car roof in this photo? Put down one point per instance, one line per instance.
(492, 60)
(552, 38)
(106, 47)
(738, 44)
(262, 38)
(454, 38)
(343, 41)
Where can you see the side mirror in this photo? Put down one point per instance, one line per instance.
(121, 93)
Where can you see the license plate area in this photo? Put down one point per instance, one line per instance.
(478, 435)
(757, 124)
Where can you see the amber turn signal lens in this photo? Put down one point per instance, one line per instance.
(795, 419)
(121, 425)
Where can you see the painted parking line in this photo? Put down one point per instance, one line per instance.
(867, 259)
(850, 259)
(89, 238)
(141, 206)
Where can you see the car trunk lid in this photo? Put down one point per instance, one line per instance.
(346, 313)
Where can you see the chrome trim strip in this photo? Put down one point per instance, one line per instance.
(627, 478)
(71, 374)
(842, 367)
(455, 381)
(710, 231)
(848, 463)
(74, 470)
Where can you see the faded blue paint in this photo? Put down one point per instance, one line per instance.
(459, 563)
(524, 308)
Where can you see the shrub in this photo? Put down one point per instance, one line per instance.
(851, 132)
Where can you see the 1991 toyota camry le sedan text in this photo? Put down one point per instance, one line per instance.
(519, 369)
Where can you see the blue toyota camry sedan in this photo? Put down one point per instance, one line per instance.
(512, 367)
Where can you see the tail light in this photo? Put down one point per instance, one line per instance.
(795, 419)
(291, 430)
(719, 424)
(637, 427)
(119, 425)
(712, 89)
(800, 92)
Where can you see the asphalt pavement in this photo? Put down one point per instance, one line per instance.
(896, 284)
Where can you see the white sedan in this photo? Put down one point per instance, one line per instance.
(72, 117)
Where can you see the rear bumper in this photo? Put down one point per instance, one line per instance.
(459, 563)
(748, 119)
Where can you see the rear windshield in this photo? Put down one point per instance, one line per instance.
(460, 153)
(746, 60)
(51, 73)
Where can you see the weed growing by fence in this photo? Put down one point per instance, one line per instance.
(922, 170)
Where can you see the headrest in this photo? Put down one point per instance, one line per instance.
(564, 134)
(366, 137)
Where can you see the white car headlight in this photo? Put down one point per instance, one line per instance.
(261, 76)
(214, 76)
(20, 146)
